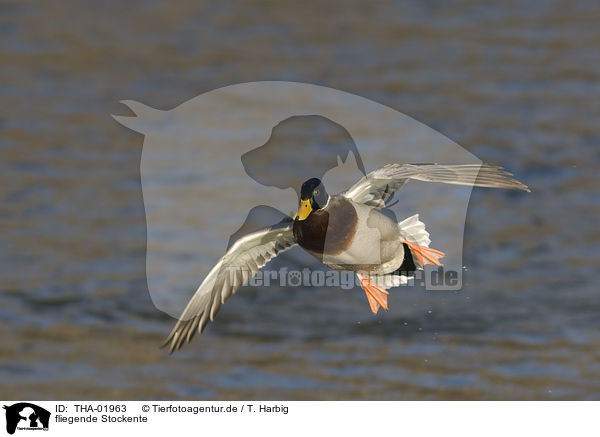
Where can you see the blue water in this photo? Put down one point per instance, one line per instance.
(516, 84)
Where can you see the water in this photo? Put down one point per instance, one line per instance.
(517, 84)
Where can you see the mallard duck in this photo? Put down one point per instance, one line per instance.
(349, 231)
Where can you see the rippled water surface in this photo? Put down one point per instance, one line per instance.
(515, 83)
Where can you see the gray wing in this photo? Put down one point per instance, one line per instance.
(380, 185)
(241, 262)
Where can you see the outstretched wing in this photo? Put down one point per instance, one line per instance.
(241, 262)
(380, 185)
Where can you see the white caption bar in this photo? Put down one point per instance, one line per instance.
(158, 418)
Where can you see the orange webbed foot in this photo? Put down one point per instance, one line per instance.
(426, 255)
(376, 295)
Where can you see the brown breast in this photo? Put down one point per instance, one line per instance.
(329, 230)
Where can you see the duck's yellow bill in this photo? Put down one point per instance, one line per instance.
(303, 210)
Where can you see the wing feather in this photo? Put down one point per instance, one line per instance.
(241, 262)
(379, 186)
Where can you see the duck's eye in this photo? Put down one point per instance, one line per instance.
(316, 192)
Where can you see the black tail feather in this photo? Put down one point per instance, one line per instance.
(408, 266)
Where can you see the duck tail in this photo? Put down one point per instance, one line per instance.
(416, 242)
(413, 231)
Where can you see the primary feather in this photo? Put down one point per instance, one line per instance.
(241, 262)
(378, 187)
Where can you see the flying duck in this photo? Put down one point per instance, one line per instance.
(349, 231)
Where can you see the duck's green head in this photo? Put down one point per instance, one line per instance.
(313, 196)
